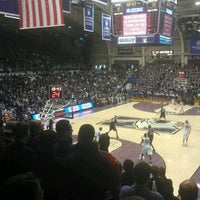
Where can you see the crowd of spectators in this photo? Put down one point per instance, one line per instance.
(23, 52)
(161, 81)
(24, 93)
(40, 164)
(30, 69)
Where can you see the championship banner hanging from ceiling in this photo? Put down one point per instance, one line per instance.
(88, 12)
(66, 6)
(9, 8)
(195, 45)
(106, 26)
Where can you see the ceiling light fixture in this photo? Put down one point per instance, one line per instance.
(197, 3)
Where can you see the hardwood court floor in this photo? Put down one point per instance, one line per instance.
(181, 161)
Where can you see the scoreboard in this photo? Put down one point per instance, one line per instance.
(152, 17)
(167, 18)
(144, 21)
(55, 92)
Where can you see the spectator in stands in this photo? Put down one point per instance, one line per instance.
(153, 178)
(188, 190)
(22, 186)
(17, 156)
(50, 124)
(2, 142)
(7, 133)
(64, 133)
(104, 142)
(93, 173)
(142, 175)
(35, 131)
(116, 165)
(164, 185)
(1, 128)
(127, 176)
(30, 96)
(53, 172)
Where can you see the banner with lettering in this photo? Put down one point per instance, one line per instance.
(195, 45)
(106, 26)
(9, 7)
(66, 6)
(88, 12)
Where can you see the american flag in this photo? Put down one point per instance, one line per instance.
(40, 13)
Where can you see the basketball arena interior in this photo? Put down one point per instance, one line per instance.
(94, 60)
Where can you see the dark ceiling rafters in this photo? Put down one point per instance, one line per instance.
(187, 11)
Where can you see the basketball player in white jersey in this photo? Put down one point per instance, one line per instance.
(181, 107)
(186, 132)
(147, 149)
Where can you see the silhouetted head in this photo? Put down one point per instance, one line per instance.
(86, 133)
(48, 141)
(162, 171)
(104, 142)
(142, 173)
(1, 123)
(155, 170)
(22, 186)
(22, 131)
(128, 165)
(35, 128)
(63, 128)
(188, 190)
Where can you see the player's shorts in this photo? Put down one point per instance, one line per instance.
(147, 150)
(185, 135)
(162, 116)
(113, 128)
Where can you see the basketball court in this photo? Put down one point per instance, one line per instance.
(181, 162)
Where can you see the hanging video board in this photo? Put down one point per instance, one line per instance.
(144, 22)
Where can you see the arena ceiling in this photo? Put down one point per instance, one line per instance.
(188, 20)
(188, 17)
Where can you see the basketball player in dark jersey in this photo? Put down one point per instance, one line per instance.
(162, 113)
(113, 126)
(150, 133)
